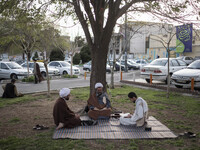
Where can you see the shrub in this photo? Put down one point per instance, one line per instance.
(69, 76)
(29, 79)
(76, 58)
(56, 54)
(85, 54)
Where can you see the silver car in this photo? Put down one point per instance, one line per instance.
(158, 68)
(64, 67)
(182, 78)
(51, 71)
(12, 70)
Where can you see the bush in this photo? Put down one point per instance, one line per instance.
(76, 59)
(85, 54)
(56, 54)
(69, 76)
(29, 79)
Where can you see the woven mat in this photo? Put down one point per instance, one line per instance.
(111, 129)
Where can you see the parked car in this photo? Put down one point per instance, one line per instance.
(132, 65)
(187, 59)
(117, 65)
(182, 78)
(159, 70)
(12, 70)
(88, 66)
(64, 67)
(51, 71)
(141, 63)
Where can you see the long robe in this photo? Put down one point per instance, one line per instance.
(37, 73)
(10, 91)
(97, 102)
(140, 114)
(62, 114)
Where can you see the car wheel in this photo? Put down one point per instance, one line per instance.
(43, 74)
(88, 69)
(148, 80)
(166, 81)
(13, 76)
(65, 72)
(178, 86)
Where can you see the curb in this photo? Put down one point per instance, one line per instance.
(195, 92)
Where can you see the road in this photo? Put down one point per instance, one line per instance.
(57, 84)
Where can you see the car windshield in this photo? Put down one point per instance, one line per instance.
(41, 65)
(13, 65)
(194, 65)
(159, 62)
(180, 57)
(65, 64)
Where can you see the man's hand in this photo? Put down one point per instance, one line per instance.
(95, 108)
(60, 126)
(128, 116)
(77, 116)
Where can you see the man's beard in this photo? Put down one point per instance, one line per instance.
(66, 99)
(98, 94)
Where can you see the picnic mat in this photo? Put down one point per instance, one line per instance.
(111, 129)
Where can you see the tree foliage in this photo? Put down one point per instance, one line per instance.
(85, 54)
(98, 19)
(56, 54)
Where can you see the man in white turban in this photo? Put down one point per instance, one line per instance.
(63, 116)
(140, 114)
(99, 104)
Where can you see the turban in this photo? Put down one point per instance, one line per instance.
(97, 85)
(64, 92)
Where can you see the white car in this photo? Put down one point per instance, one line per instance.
(87, 67)
(158, 68)
(51, 71)
(141, 63)
(12, 70)
(187, 59)
(64, 67)
(182, 78)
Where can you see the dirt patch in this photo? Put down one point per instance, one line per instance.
(19, 119)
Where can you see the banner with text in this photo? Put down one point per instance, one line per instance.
(184, 38)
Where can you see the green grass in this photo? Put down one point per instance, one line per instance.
(9, 101)
(179, 113)
(14, 120)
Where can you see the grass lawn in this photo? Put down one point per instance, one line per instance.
(17, 116)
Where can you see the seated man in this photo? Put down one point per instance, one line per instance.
(141, 112)
(10, 90)
(99, 104)
(63, 116)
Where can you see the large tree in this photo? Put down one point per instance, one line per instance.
(101, 16)
(98, 19)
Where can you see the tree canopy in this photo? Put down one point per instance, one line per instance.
(99, 17)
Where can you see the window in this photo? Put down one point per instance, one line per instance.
(181, 63)
(175, 63)
(3, 66)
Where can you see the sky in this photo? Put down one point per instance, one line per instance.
(67, 26)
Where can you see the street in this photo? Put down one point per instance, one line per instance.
(81, 81)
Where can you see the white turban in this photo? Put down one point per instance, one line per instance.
(64, 92)
(97, 85)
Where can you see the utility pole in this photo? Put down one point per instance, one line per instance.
(126, 70)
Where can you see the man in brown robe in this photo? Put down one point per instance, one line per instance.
(37, 74)
(63, 116)
(10, 90)
(99, 104)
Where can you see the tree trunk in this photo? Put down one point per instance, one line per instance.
(112, 71)
(48, 81)
(98, 73)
